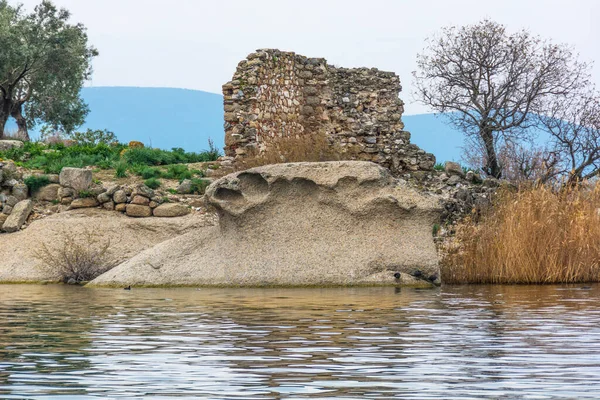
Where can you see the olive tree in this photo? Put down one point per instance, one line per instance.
(491, 84)
(44, 61)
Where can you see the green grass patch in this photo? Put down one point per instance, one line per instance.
(35, 183)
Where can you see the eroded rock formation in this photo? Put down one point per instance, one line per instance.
(276, 94)
(331, 223)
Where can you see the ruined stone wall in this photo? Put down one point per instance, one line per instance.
(275, 94)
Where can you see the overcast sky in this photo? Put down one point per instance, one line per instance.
(196, 44)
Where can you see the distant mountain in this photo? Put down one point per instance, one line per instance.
(160, 117)
(167, 118)
(434, 134)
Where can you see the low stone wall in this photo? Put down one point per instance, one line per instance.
(275, 94)
(74, 189)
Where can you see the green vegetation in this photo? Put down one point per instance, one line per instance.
(199, 185)
(35, 183)
(85, 194)
(152, 183)
(51, 158)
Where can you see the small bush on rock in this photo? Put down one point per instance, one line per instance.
(77, 256)
(152, 183)
(35, 183)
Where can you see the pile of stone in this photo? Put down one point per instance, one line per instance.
(74, 189)
(14, 204)
(78, 191)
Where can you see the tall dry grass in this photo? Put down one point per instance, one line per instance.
(534, 235)
(306, 148)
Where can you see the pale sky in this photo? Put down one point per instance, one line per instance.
(196, 44)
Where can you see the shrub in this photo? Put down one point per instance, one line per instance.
(149, 172)
(36, 182)
(536, 235)
(93, 137)
(199, 185)
(178, 171)
(78, 256)
(439, 167)
(85, 194)
(152, 183)
(120, 169)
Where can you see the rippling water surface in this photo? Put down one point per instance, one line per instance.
(59, 342)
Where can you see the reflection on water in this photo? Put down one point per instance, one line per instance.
(454, 342)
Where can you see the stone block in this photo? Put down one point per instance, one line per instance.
(76, 178)
(19, 215)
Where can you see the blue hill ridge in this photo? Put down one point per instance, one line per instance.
(167, 118)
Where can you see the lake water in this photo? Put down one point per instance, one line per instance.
(538, 342)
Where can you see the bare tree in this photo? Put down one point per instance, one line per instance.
(490, 84)
(519, 162)
(574, 125)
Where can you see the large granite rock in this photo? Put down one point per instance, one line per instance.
(18, 216)
(76, 178)
(331, 223)
(128, 236)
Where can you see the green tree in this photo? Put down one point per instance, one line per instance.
(43, 64)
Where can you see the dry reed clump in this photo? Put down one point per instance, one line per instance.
(535, 235)
(76, 257)
(307, 148)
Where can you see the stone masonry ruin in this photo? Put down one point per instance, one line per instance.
(276, 94)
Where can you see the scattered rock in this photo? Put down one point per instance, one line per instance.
(138, 211)
(85, 202)
(47, 193)
(453, 168)
(20, 191)
(77, 178)
(185, 187)
(18, 216)
(120, 197)
(171, 210)
(140, 200)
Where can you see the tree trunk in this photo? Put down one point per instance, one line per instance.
(3, 120)
(22, 132)
(492, 164)
(4, 114)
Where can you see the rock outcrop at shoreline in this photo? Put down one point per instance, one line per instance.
(330, 223)
(128, 237)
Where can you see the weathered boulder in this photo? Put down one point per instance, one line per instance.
(20, 191)
(170, 210)
(138, 211)
(84, 202)
(453, 168)
(18, 216)
(140, 200)
(47, 193)
(331, 223)
(185, 187)
(10, 144)
(76, 178)
(128, 236)
(120, 197)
